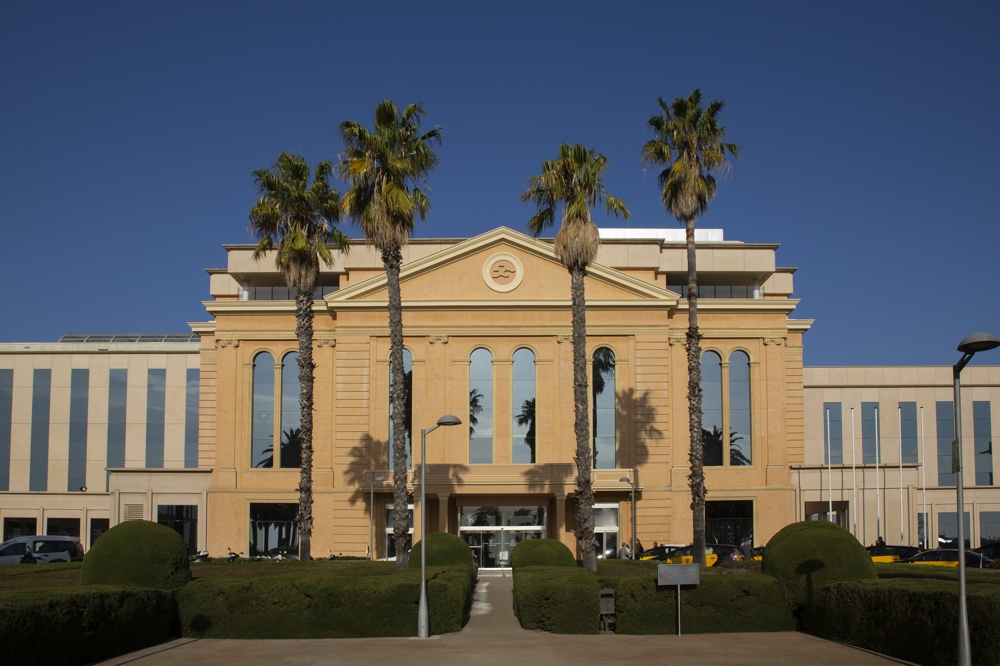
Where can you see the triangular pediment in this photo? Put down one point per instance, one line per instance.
(500, 268)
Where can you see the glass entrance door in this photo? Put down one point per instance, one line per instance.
(492, 531)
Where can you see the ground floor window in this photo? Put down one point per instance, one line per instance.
(390, 524)
(19, 527)
(183, 519)
(98, 526)
(989, 527)
(493, 531)
(729, 522)
(606, 530)
(63, 527)
(948, 529)
(821, 511)
(272, 527)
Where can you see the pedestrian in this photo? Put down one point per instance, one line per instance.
(624, 553)
(639, 550)
(746, 550)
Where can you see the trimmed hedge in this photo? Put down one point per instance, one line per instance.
(812, 554)
(356, 601)
(137, 553)
(443, 549)
(558, 599)
(910, 619)
(74, 625)
(541, 553)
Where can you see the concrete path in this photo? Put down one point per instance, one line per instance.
(494, 636)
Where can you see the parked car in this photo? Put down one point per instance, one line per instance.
(658, 551)
(727, 553)
(892, 553)
(990, 550)
(42, 548)
(758, 553)
(683, 556)
(949, 558)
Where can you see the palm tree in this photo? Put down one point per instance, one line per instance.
(297, 219)
(385, 168)
(688, 141)
(575, 180)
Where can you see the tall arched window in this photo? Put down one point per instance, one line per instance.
(711, 407)
(290, 454)
(262, 430)
(407, 412)
(740, 445)
(603, 400)
(524, 406)
(481, 407)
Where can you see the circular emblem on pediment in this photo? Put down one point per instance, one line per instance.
(503, 272)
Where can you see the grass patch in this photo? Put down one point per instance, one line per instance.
(39, 576)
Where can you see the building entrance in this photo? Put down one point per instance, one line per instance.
(493, 531)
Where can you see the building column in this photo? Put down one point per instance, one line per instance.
(443, 512)
(560, 523)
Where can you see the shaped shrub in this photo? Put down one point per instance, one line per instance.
(558, 599)
(443, 550)
(541, 553)
(137, 553)
(815, 553)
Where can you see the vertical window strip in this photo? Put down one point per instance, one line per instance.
(6, 402)
(711, 408)
(945, 436)
(156, 392)
(481, 407)
(192, 391)
(407, 410)
(262, 429)
(982, 430)
(908, 435)
(290, 427)
(833, 434)
(523, 402)
(605, 416)
(740, 440)
(79, 399)
(871, 440)
(117, 407)
(41, 394)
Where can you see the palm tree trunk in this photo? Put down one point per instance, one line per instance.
(304, 333)
(581, 425)
(696, 478)
(391, 259)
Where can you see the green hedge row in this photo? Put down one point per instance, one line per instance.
(561, 600)
(541, 553)
(907, 618)
(75, 625)
(312, 607)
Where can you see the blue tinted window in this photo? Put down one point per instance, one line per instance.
(41, 389)
(524, 406)
(945, 436)
(291, 412)
(117, 403)
(740, 440)
(79, 398)
(871, 430)
(711, 407)
(481, 407)
(156, 394)
(191, 400)
(6, 401)
(833, 434)
(908, 431)
(982, 429)
(262, 435)
(605, 426)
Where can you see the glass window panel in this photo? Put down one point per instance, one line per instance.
(117, 403)
(833, 433)
(722, 291)
(191, 403)
(78, 399)
(183, 519)
(481, 407)
(945, 422)
(155, 406)
(390, 521)
(922, 529)
(740, 292)
(481, 516)
(263, 411)
(63, 527)
(280, 293)
(263, 293)
(711, 407)
(871, 426)
(38, 476)
(606, 517)
(604, 416)
(989, 527)
(98, 526)
(908, 434)
(290, 427)
(524, 407)
(982, 430)
(523, 516)
(272, 526)
(706, 291)
(740, 434)
(407, 412)
(948, 529)
(19, 527)
(6, 403)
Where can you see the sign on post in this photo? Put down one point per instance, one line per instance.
(678, 574)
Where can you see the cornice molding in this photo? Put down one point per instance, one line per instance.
(593, 305)
(742, 305)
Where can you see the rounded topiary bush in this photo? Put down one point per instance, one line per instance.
(541, 553)
(443, 549)
(137, 553)
(816, 553)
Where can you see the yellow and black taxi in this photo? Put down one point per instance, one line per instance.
(887, 554)
(949, 558)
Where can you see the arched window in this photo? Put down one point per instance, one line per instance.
(262, 431)
(740, 445)
(407, 412)
(604, 408)
(481, 407)
(290, 454)
(524, 406)
(711, 407)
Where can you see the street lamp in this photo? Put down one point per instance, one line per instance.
(627, 480)
(371, 519)
(976, 342)
(423, 625)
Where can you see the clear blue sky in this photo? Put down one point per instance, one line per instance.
(869, 134)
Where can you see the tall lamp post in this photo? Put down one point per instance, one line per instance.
(972, 344)
(371, 518)
(423, 623)
(627, 480)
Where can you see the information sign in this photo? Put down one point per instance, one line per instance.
(678, 574)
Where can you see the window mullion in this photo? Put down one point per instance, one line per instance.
(725, 414)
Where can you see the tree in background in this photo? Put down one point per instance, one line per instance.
(688, 141)
(385, 168)
(297, 220)
(574, 180)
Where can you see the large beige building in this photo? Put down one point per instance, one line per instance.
(487, 337)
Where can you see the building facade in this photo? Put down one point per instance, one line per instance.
(210, 443)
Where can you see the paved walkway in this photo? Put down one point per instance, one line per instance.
(493, 636)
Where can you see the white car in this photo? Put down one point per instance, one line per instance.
(42, 548)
